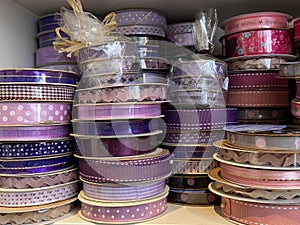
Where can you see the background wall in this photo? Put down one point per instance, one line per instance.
(17, 35)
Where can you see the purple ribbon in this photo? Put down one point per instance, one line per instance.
(191, 151)
(36, 149)
(36, 166)
(37, 76)
(151, 167)
(108, 128)
(117, 147)
(119, 192)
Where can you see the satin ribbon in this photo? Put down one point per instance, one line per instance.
(11, 181)
(37, 76)
(193, 166)
(49, 19)
(202, 119)
(48, 55)
(248, 212)
(36, 92)
(128, 93)
(262, 113)
(106, 128)
(189, 182)
(270, 137)
(123, 193)
(259, 79)
(182, 151)
(34, 113)
(193, 136)
(36, 148)
(296, 30)
(254, 21)
(133, 17)
(34, 132)
(118, 111)
(127, 169)
(141, 30)
(38, 165)
(48, 213)
(32, 197)
(289, 70)
(116, 147)
(193, 197)
(256, 42)
(258, 98)
(120, 213)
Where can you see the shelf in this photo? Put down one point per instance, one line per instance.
(175, 10)
(176, 214)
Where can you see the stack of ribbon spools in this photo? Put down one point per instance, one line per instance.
(147, 29)
(254, 45)
(118, 130)
(291, 70)
(258, 177)
(46, 56)
(38, 174)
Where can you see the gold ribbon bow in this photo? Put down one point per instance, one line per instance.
(72, 46)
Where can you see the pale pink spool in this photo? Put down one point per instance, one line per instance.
(260, 20)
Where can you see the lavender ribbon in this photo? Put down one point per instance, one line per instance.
(108, 128)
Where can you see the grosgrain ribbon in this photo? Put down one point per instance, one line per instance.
(190, 151)
(146, 168)
(119, 192)
(122, 213)
(263, 113)
(248, 212)
(116, 147)
(181, 181)
(289, 70)
(193, 166)
(257, 98)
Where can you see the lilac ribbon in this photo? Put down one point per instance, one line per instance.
(36, 166)
(119, 192)
(108, 128)
(202, 119)
(117, 147)
(179, 151)
(154, 166)
(36, 149)
(34, 133)
(37, 76)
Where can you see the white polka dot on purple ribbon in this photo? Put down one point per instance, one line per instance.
(4, 107)
(20, 107)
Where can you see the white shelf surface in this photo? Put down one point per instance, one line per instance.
(175, 215)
